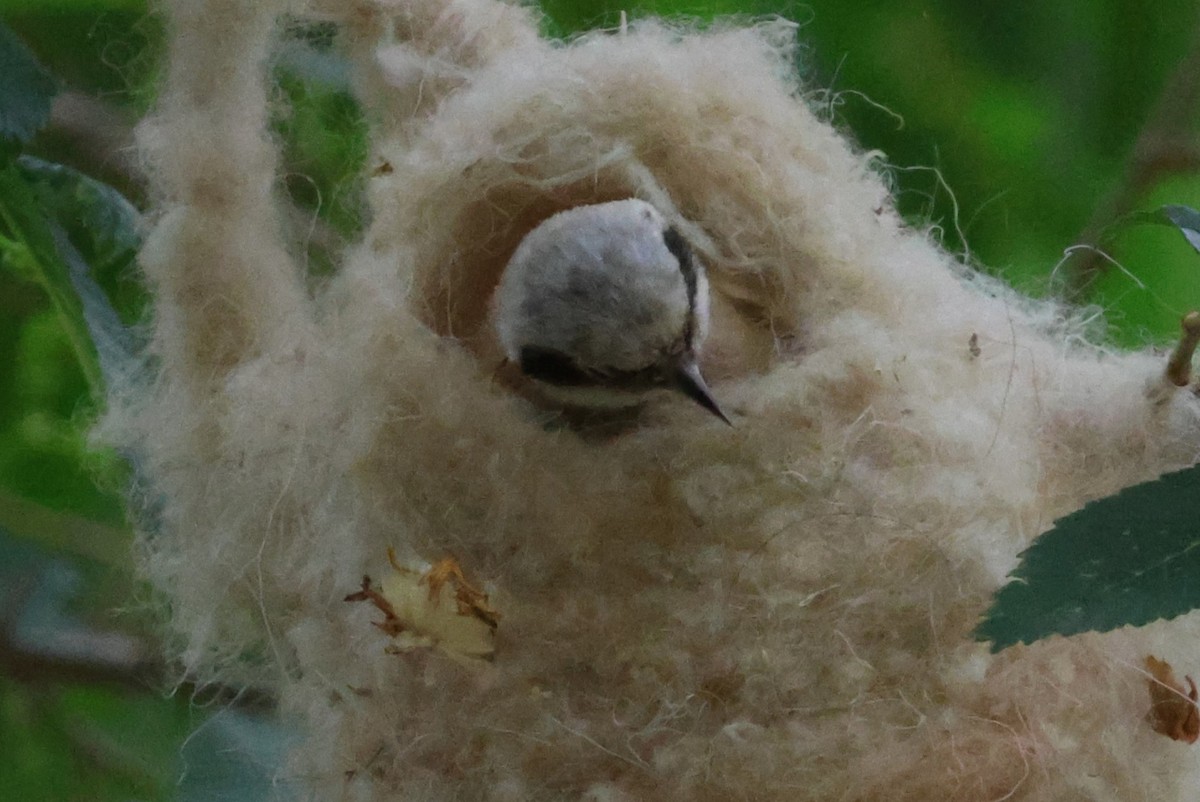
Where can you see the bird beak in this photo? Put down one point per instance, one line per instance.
(689, 381)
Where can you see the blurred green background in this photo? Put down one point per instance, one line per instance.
(1013, 131)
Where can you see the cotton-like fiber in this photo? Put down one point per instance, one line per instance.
(781, 610)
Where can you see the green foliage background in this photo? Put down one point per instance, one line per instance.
(1010, 129)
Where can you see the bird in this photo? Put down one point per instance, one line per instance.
(602, 305)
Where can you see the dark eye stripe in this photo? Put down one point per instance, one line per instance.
(555, 367)
(687, 265)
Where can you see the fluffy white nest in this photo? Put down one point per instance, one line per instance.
(777, 611)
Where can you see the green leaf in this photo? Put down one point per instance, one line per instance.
(99, 221)
(1185, 218)
(22, 215)
(70, 226)
(67, 733)
(1127, 559)
(97, 230)
(59, 532)
(25, 93)
(133, 738)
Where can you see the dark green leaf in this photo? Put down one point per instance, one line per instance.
(1127, 559)
(25, 93)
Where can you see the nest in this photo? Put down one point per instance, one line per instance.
(777, 611)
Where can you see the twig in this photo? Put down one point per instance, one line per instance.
(73, 653)
(136, 671)
(1179, 366)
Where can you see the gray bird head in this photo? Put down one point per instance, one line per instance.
(603, 304)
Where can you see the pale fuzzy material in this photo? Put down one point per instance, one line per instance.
(777, 611)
